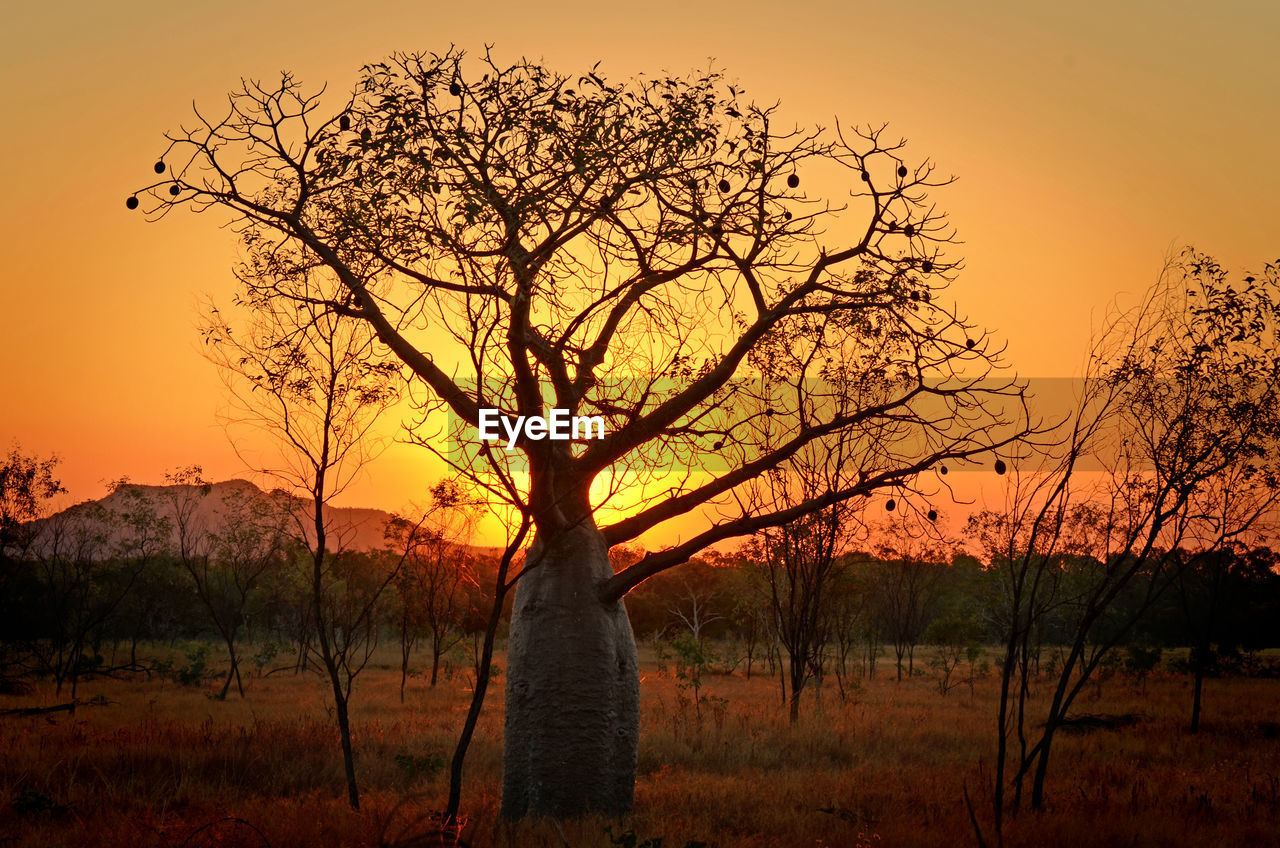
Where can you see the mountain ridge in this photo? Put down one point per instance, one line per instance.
(350, 528)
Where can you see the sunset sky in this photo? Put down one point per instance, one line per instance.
(1089, 142)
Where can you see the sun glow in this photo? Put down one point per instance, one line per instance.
(1043, 106)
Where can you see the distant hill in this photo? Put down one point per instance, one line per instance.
(347, 528)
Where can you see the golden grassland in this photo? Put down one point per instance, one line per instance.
(153, 762)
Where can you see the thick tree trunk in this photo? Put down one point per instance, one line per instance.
(573, 686)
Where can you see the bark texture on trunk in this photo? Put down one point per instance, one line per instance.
(572, 689)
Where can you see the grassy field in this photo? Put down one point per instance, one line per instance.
(156, 764)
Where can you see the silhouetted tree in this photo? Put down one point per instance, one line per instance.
(906, 584)
(958, 629)
(749, 611)
(86, 560)
(1182, 393)
(27, 485)
(433, 586)
(314, 382)
(1236, 513)
(800, 560)
(628, 251)
(852, 627)
(228, 565)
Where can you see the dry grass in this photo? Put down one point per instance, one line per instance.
(159, 761)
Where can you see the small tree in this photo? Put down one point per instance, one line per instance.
(801, 559)
(851, 623)
(87, 559)
(435, 583)
(314, 382)
(695, 600)
(1236, 513)
(749, 615)
(1182, 393)
(228, 566)
(959, 628)
(27, 485)
(905, 589)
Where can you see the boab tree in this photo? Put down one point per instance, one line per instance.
(523, 240)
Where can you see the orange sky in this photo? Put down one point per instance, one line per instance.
(1088, 142)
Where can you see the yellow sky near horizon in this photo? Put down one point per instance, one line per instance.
(1088, 141)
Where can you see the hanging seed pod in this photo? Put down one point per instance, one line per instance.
(159, 166)
(724, 186)
(132, 202)
(926, 266)
(454, 88)
(793, 181)
(787, 215)
(1000, 466)
(910, 230)
(969, 343)
(902, 170)
(174, 190)
(890, 505)
(933, 515)
(943, 471)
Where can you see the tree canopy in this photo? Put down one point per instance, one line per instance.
(645, 251)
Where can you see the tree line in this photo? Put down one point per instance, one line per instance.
(881, 609)
(86, 589)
